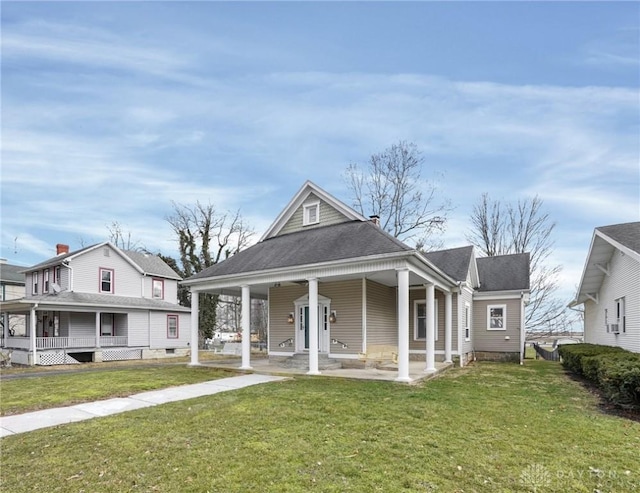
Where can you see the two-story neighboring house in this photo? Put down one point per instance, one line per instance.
(610, 287)
(99, 303)
(11, 288)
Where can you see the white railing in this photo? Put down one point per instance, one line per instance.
(113, 341)
(64, 342)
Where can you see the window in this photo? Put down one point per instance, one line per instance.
(621, 319)
(45, 281)
(467, 322)
(158, 289)
(172, 326)
(34, 283)
(497, 316)
(106, 280)
(420, 320)
(56, 274)
(311, 214)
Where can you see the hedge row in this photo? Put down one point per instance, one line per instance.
(613, 369)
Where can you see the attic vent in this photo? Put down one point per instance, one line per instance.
(106, 252)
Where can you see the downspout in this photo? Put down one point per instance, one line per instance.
(460, 362)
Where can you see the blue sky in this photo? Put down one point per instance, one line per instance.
(110, 111)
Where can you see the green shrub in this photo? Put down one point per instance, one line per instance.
(614, 370)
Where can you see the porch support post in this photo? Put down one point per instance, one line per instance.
(447, 327)
(97, 329)
(313, 327)
(32, 334)
(195, 313)
(246, 328)
(5, 325)
(403, 326)
(431, 333)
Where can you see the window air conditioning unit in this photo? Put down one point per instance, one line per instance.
(615, 328)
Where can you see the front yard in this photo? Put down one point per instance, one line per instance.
(489, 427)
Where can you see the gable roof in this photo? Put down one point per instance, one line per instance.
(298, 199)
(12, 274)
(504, 272)
(605, 240)
(144, 263)
(340, 241)
(454, 262)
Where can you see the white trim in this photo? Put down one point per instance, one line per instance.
(306, 208)
(343, 356)
(504, 317)
(364, 314)
(466, 320)
(415, 319)
(282, 353)
(628, 251)
(499, 295)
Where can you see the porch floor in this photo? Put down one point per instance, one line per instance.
(264, 367)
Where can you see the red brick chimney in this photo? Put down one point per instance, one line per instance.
(61, 248)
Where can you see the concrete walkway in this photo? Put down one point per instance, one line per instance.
(22, 423)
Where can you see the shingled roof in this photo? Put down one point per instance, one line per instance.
(454, 262)
(12, 274)
(627, 234)
(348, 240)
(504, 272)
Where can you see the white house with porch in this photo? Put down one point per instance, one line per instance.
(339, 286)
(99, 303)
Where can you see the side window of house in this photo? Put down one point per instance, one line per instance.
(106, 280)
(34, 283)
(56, 274)
(172, 326)
(496, 317)
(467, 321)
(311, 214)
(45, 281)
(621, 319)
(158, 289)
(420, 320)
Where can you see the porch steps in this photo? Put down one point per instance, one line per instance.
(301, 361)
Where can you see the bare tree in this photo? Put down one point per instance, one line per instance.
(205, 237)
(391, 186)
(122, 240)
(503, 228)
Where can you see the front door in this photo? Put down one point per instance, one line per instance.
(323, 328)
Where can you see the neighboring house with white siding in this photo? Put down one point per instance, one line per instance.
(338, 285)
(609, 288)
(12, 281)
(99, 303)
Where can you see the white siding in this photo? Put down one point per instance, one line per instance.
(138, 328)
(158, 330)
(86, 273)
(624, 281)
(170, 289)
(82, 324)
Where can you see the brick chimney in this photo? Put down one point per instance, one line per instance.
(375, 220)
(61, 248)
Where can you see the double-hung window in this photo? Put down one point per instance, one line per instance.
(172, 326)
(497, 317)
(34, 283)
(106, 280)
(420, 320)
(621, 319)
(45, 281)
(467, 322)
(158, 289)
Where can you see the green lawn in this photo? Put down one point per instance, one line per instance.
(490, 427)
(29, 394)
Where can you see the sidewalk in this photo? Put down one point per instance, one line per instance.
(22, 423)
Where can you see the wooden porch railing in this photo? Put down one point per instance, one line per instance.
(66, 342)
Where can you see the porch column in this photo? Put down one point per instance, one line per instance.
(246, 328)
(97, 329)
(403, 326)
(32, 333)
(313, 327)
(195, 313)
(447, 327)
(5, 325)
(431, 333)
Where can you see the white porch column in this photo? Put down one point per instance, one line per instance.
(447, 327)
(195, 322)
(246, 328)
(32, 334)
(403, 326)
(97, 329)
(431, 333)
(5, 325)
(313, 327)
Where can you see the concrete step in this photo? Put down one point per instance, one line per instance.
(301, 362)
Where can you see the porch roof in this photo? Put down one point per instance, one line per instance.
(67, 300)
(343, 241)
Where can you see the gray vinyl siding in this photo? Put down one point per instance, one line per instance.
(494, 340)
(624, 281)
(328, 216)
(382, 320)
(158, 331)
(86, 273)
(346, 301)
(170, 289)
(82, 325)
(420, 344)
(138, 330)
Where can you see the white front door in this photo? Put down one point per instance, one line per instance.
(302, 328)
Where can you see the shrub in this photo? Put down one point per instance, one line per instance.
(614, 370)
